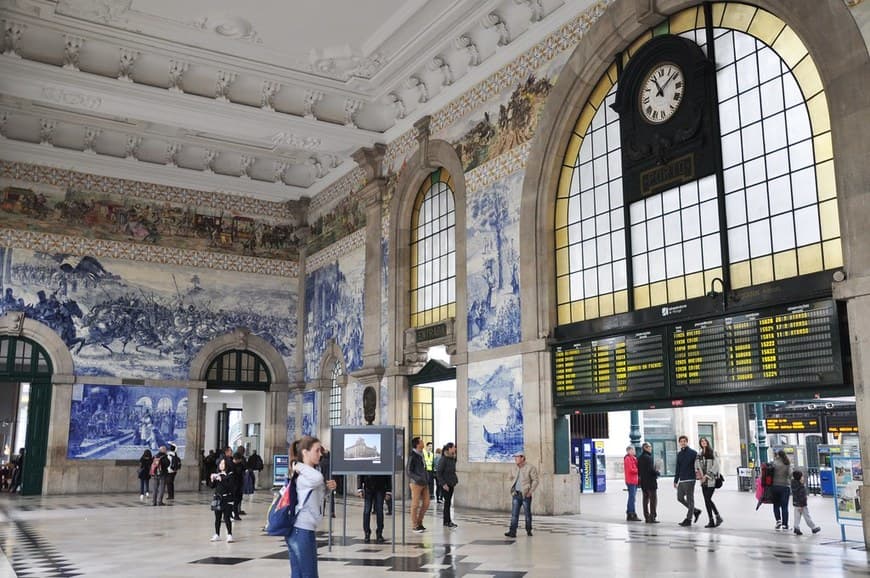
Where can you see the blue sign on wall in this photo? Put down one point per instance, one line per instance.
(280, 468)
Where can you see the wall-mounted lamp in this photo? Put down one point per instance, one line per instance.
(713, 294)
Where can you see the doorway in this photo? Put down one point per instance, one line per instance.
(25, 408)
(432, 397)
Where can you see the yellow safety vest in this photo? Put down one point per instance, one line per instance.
(429, 460)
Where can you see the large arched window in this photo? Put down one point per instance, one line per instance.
(433, 251)
(779, 199)
(335, 394)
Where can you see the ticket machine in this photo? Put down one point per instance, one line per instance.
(588, 455)
(826, 474)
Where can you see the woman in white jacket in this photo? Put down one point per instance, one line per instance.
(310, 489)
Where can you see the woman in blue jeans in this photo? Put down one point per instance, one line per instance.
(310, 487)
(781, 489)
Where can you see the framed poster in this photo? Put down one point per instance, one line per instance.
(848, 479)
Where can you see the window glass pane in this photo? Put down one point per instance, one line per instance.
(747, 74)
(756, 202)
(759, 239)
(806, 223)
(783, 232)
(640, 270)
(738, 244)
(771, 97)
(692, 256)
(798, 122)
(729, 119)
(712, 251)
(777, 164)
(674, 260)
(750, 107)
(774, 133)
(657, 265)
(735, 208)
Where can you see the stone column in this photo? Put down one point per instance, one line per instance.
(857, 295)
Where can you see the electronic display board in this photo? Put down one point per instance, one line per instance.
(792, 424)
(785, 347)
(842, 423)
(609, 369)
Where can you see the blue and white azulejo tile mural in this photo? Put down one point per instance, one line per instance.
(493, 264)
(119, 422)
(495, 409)
(334, 308)
(353, 404)
(309, 413)
(127, 319)
(292, 413)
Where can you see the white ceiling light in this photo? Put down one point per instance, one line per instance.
(228, 391)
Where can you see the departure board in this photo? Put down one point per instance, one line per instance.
(792, 424)
(785, 347)
(610, 369)
(788, 347)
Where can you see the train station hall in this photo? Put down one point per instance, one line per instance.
(438, 264)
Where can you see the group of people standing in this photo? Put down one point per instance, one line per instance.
(424, 474)
(692, 466)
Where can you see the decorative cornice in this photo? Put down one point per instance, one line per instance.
(348, 184)
(498, 168)
(138, 189)
(567, 36)
(48, 243)
(336, 250)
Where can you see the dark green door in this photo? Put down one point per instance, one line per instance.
(38, 415)
(26, 362)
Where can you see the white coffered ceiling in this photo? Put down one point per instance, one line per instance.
(267, 98)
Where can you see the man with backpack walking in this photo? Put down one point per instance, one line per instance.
(159, 469)
(174, 466)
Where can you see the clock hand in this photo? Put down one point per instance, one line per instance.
(667, 82)
(660, 89)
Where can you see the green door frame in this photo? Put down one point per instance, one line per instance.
(24, 361)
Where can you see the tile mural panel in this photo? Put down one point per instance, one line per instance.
(493, 281)
(309, 413)
(505, 122)
(128, 319)
(384, 403)
(353, 404)
(385, 272)
(119, 422)
(334, 308)
(114, 216)
(495, 409)
(347, 217)
(292, 413)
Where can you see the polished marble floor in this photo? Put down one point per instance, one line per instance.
(115, 536)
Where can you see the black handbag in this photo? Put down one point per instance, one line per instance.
(720, 480)
(216, 503)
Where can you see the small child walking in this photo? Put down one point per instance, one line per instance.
(799, 501)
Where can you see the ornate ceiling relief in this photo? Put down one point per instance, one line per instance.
(105, 11)
(228, 26)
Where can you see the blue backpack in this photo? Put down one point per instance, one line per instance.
(282, 512)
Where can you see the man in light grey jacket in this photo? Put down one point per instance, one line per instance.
(525, 484)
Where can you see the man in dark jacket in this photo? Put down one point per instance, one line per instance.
(375, 489)
(447, 480)
(684, 480)
(419, 485)
(648, 477)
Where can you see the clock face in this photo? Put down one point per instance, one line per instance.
(661, 92)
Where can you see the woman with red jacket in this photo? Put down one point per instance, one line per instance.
(630, 463)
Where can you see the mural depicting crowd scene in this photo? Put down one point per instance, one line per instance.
(347, 217)
(128, 319)
(118, 218)
(334, 307)
(501, 129)
(495, 410)
(117, 422)
(493, 264)
(309, 413)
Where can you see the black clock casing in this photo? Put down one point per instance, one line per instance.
(657, 156)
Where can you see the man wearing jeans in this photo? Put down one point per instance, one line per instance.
(525, 484)
(419, 485)
(684, 480)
